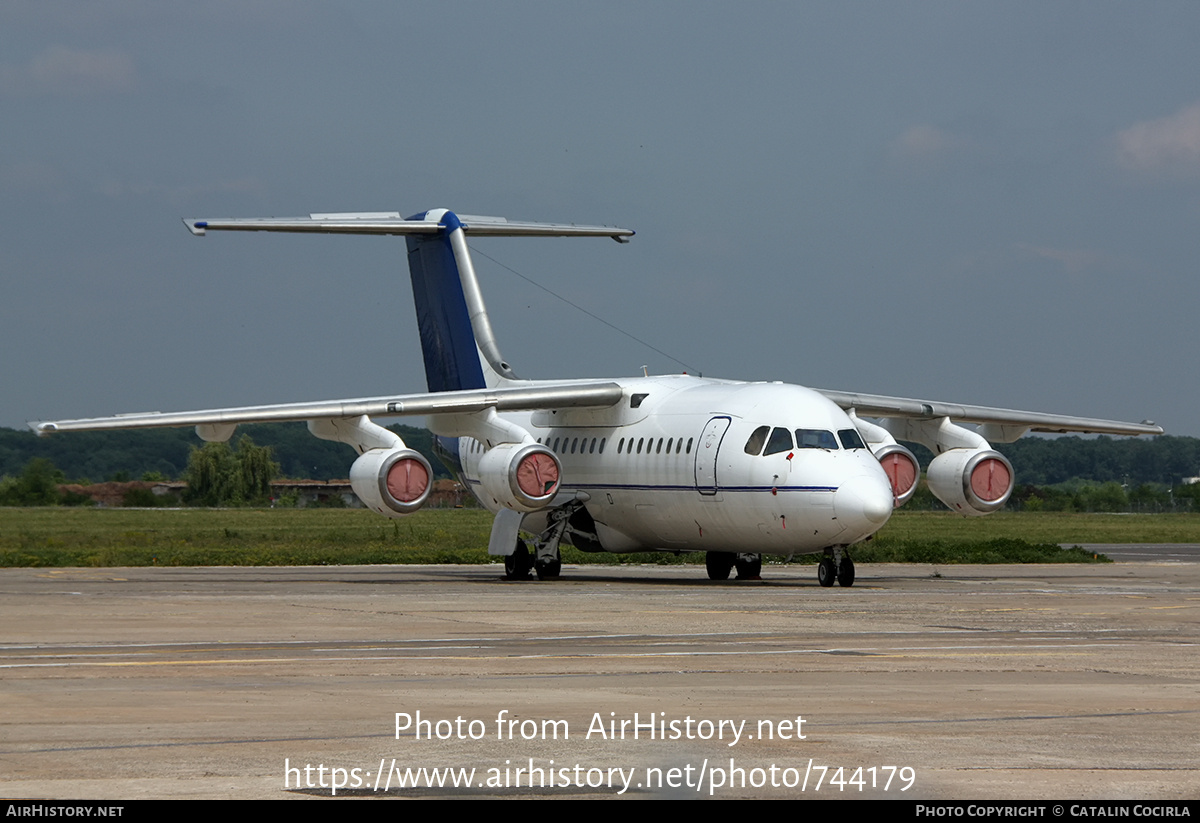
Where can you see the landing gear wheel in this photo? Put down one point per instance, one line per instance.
(826, 572)
(749, 566)
(518, 564)
(719, 565)
(547, 569)
(845, 573)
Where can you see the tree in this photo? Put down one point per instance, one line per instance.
(218, 476)
(37, 485)
(256, 470)
(211, 476)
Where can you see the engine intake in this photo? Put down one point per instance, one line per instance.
(971, 481)
(524, 478)
(902, 469)
(392, 482)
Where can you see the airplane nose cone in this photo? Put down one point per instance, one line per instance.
(863, 502)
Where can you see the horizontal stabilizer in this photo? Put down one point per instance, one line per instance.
(392, 223)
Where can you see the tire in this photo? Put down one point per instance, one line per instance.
(826, 572)
(845, 573)
(719, 565)
(548, 569)
(749, 566)
(518, 564)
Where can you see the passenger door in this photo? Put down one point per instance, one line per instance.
(706, 454)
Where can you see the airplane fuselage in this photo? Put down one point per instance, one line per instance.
(693, 464)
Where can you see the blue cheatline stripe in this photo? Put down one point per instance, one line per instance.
(447, 340)
(651, 488)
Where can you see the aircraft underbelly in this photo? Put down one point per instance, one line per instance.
(741, 521)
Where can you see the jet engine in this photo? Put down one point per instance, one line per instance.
(971, 481)
(902, 469)
(393, 482)
(521, 477)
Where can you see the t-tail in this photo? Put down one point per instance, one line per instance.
(457, 342)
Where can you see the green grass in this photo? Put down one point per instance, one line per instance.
(238, 537)
(250, 537)
(1044, 527)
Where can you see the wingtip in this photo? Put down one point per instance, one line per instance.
(196, 227)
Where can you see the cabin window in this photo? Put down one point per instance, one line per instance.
(659, 449)
(755, 443)
(689, 446)
(679, 446)
(850, 439)
(574, 443)
(641, 440)
(670, 442)
(815, 439)
(635, 401)
(603, 440)
(781, 441)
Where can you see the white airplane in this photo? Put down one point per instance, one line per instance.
(673, 463)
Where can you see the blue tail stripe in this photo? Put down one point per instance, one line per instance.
(447, 340)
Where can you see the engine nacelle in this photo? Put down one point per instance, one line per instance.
(392, 482)
(902, 469)
(971, 481)
(521, 477)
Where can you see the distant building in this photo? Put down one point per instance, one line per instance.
(446, 493)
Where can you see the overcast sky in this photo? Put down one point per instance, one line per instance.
(994, 203)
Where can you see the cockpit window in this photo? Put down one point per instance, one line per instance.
(815, 439)
(850, 439)
(781, 441)
(755, 443)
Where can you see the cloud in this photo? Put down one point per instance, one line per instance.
(34, 177)
(925, 142)
(115, 188)
(60, 71)
(1169, 144)
(1076, 261)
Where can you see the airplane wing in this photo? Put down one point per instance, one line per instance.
(1014, 422)
(523, 398)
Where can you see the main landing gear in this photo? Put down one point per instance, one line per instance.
(720, 564)
(835, 566)
(518, 564)
(545, 559)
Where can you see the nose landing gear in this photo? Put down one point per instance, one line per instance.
(836, 566)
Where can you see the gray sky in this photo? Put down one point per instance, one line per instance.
(983, 203)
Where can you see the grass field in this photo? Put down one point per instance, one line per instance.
(247, 537)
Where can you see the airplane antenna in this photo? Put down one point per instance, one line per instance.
(585, 311)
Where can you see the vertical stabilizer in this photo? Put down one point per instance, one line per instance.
(459, 347)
